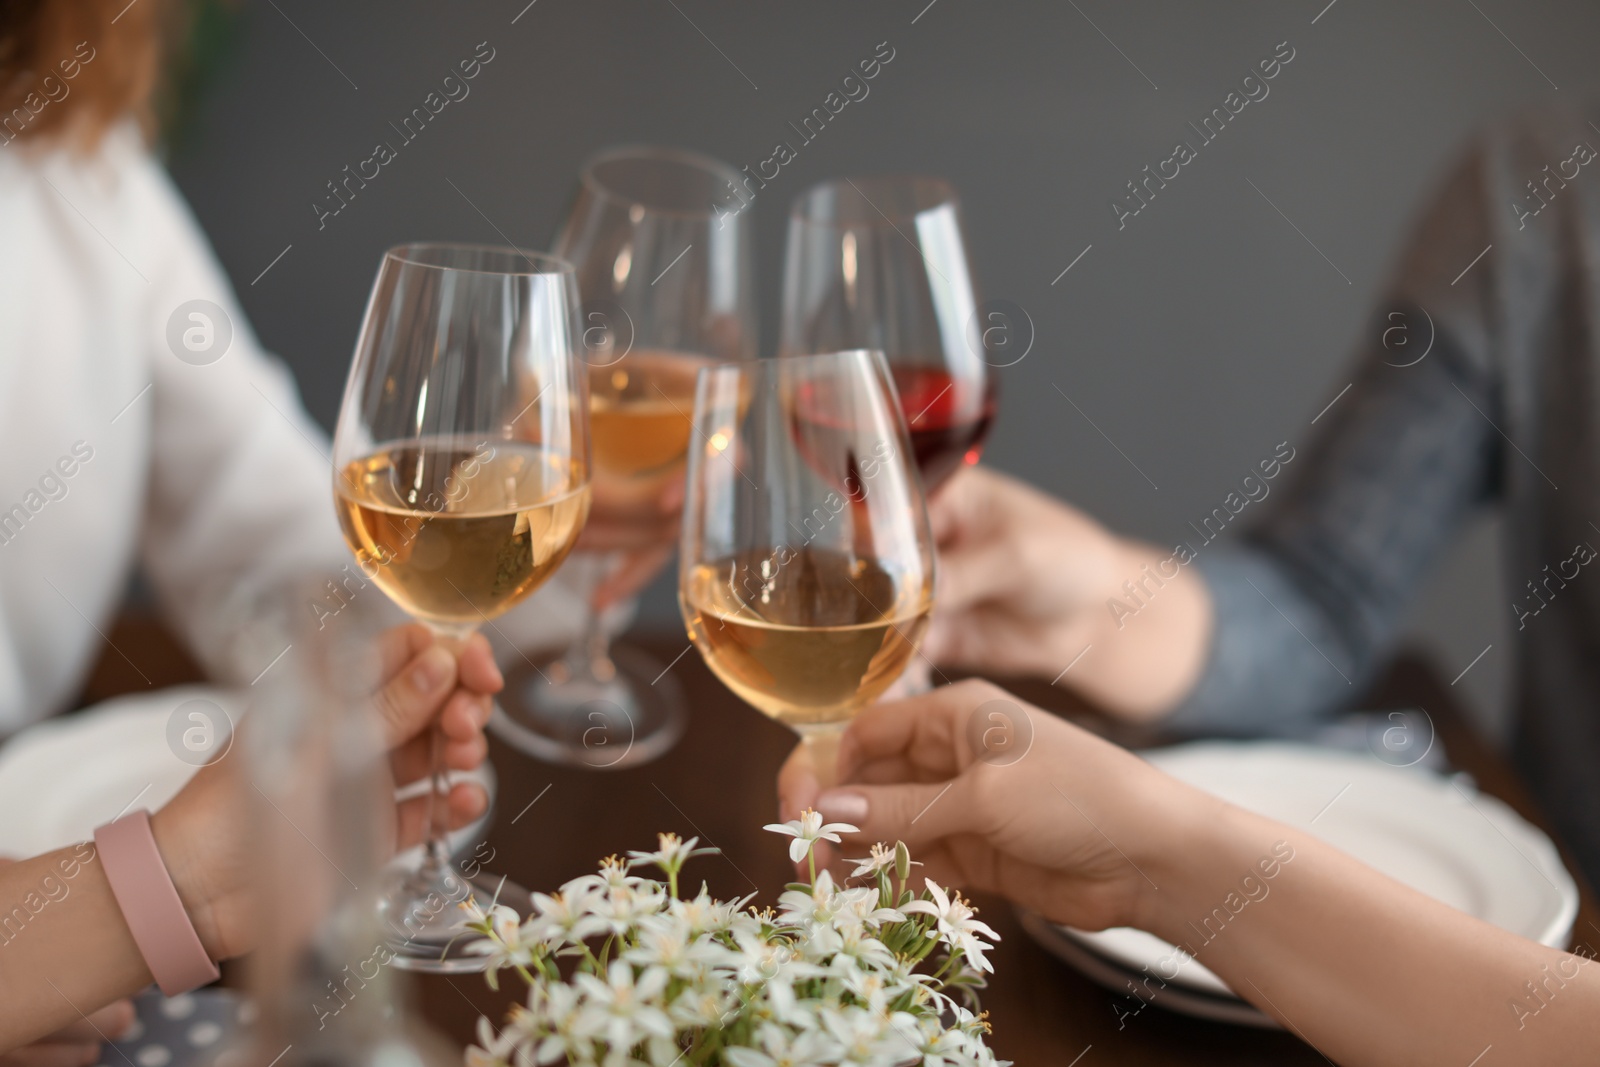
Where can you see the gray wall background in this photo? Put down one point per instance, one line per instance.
(1196, 339)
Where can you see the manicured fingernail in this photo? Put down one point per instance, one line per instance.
(432, 668)
(843, 805)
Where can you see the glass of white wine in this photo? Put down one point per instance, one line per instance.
(806, 573)
(661, 244)
(461, 482)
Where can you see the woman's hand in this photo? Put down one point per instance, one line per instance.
(1021, 576)
(1027, 584)
(636, 521)
(1069, 828)
(76, 1044)
(423, 683)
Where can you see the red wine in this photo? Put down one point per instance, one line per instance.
(949, 419)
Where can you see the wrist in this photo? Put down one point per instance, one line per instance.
(1210, 855)
(187, 871)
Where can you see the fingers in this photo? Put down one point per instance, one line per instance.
(636, 571)
(465, 715)
(986, 637)
(917, 813)
(975, 570)
(410, 698)
(399, 645)
(53, 1054)
(958, 502)
(476, 667)
(797, 784)
(929, 730)
(109, 1022)
(465, 802)
(410, 761)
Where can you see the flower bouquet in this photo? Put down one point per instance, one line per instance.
(622, 970)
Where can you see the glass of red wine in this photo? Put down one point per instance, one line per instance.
(881, 263)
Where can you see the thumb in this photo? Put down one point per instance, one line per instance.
(914, 812)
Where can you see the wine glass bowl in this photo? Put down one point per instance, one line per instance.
(461, 481)
(881, 263)
(662, 256)
(806, 567)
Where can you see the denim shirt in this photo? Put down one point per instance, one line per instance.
(1494, 398)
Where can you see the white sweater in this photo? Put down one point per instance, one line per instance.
(115, 451)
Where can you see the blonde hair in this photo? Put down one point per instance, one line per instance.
(71, 69)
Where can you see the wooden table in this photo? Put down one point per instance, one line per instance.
(553, 823)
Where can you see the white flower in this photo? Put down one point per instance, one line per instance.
(613, 875)
(813, 984)
(672, 855)
(778, 1048)
(623, 1010)
(871, 1038)
(505, 944)
(704, 915)
(954, 924)
(550, 1025)
(666, 942)
(566, 917)
(859, 907)
(622, 906)
(816, 906)
(702, 1006)
(882, 858)
(492, 1050)
(859, 949)
(807, 830)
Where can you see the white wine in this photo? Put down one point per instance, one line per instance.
(640, 411)
(456, 533)
(807, 636)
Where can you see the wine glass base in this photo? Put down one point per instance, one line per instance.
(422, 913)
(626, 720)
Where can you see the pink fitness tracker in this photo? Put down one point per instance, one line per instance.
(150, 905)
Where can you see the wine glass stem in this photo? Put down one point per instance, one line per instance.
(589, 656)
(435, 827)
(822, 748)
(436, 818)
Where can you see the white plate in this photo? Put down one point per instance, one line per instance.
(1172, 996)
(63, 777)
(1438, 835)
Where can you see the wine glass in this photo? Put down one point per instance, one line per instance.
(461, 482)
(882, 263)
(661, 246)
(806, 568)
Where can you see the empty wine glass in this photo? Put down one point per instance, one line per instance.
(806, 568)
(462, 481)
(661, 246)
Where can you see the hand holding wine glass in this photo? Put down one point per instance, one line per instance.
(462, 458)
(806, 571)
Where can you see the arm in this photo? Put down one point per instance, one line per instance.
(1288, 621)
(1365, 969)
(65, 949)
(1024, 587)
(240, 484)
